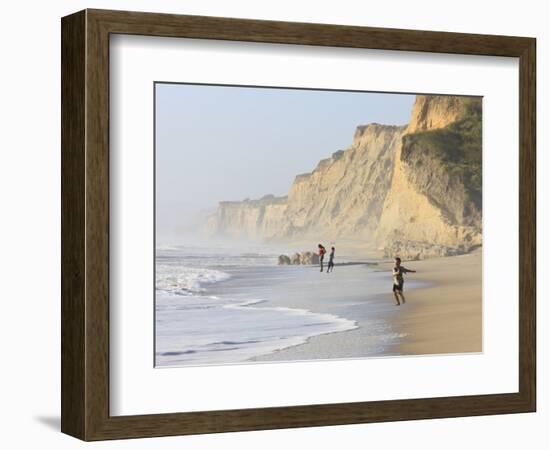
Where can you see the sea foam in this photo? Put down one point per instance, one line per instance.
(195, 327)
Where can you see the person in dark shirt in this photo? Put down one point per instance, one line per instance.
(330, 267)
(397, 272)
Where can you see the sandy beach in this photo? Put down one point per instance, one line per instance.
(218, 306)
(443, 314)
(447, 316)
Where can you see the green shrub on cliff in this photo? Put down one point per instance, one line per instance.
(457, 146)
(337, 155)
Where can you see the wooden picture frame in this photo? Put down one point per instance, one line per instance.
(85, 224)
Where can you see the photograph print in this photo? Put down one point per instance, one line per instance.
(303, 224)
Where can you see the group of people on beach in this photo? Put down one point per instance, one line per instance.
(322, 252)
(397, 272)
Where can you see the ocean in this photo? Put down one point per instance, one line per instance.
(228, 305)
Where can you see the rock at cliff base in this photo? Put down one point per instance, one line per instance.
(299, 258)
(296, 259)
(415, 251)
(284, 260)
(309, 258)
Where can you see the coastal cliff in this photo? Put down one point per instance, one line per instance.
(433, 207)
(415, 189)
(251, 219)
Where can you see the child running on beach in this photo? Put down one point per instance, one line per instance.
(398, 271)
(322, 251)
(330, 267)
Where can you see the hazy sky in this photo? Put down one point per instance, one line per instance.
(217, 143)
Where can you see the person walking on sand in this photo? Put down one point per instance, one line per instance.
(322, 252)
(398, 271)
(330, 267)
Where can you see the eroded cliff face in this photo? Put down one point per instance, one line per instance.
(342, 197)
(433, 199)
(411, 187)
(249, 219)
(345, 194)
(435, 111)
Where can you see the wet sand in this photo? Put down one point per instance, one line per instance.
(442, 314)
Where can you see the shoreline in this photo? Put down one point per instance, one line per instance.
(260, 312)
(442, 315)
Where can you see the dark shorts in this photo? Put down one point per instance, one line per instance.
(398, 287)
